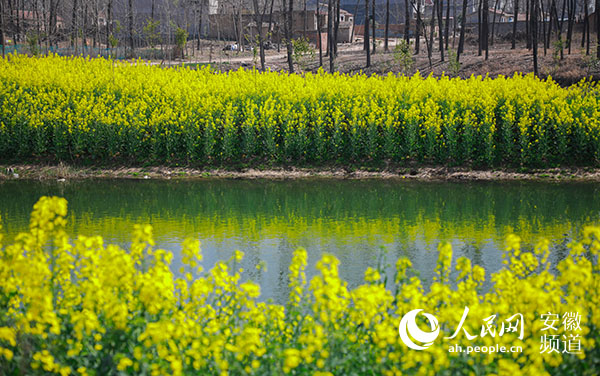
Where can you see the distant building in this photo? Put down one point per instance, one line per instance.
(592, 21)
(227, 23)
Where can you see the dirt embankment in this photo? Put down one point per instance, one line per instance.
(63, 172)
(502, 60)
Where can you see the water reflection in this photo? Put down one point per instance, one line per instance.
(351, 219)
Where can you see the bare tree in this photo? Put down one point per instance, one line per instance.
(527, 23)
(373, 25)
(485, 28)
(109, 24)
(53, 17)
(571, 22)
(545, 41)
(74, 26)
(2, 26)
(320, 34)
(598, 29)
(494, 21)
(130, 18)
(354, 21)
(84, 28)
(288, 33)
(428, 41)
(479, 28)
(387, 25)
(305, 23)
(406, 22)
(558, 27)
(440, 18)
(447, 25)
(330, 36)
(336, 26)
(366, 33)
(418, 27)
(96, 23)
(431, 27)
(454, 23)
(259, 16)
(515, 18)
(586, 28)
(551, 21)
(461, 38)
(534, 36)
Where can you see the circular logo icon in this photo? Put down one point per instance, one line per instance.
(408, 326)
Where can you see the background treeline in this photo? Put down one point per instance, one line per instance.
(162, 28)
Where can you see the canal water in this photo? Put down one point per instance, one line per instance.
(362, 222)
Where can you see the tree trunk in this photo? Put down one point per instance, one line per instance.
(528, 23)
(271, 19)
(74, 26)
(330, 37)
(418, 27)
(46, 24)
(38, 24)
(336, 27)
(290, 30)
(406, 22)
(480, 28)
(587, 35)
(447, 25)
(560, 28)
(96, 24)
(486, 30)
(544, 39)
(354, 21)
(84, 30)
(598, 29)
(461, 38)
(550, 22)
(10, 21)
(373, 25)
(304, 24)
(366, 33)
(320, 36)
(454, 23)
(585, 22)
(130, 16)
(440, 18)
(258, 18)
(514, 33)
(431, 27)
(427, 41)
(2, 26)
(240, 30)
(571, 23)
(18, 22)
(387, 25)
(534, 36)
(108, 24)
(199, 28)
(494, 22)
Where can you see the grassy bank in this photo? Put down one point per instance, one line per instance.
(98, 112)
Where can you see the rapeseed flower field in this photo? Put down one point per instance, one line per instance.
(73, 305)
(98, 111)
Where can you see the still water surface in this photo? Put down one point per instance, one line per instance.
(354, 220)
